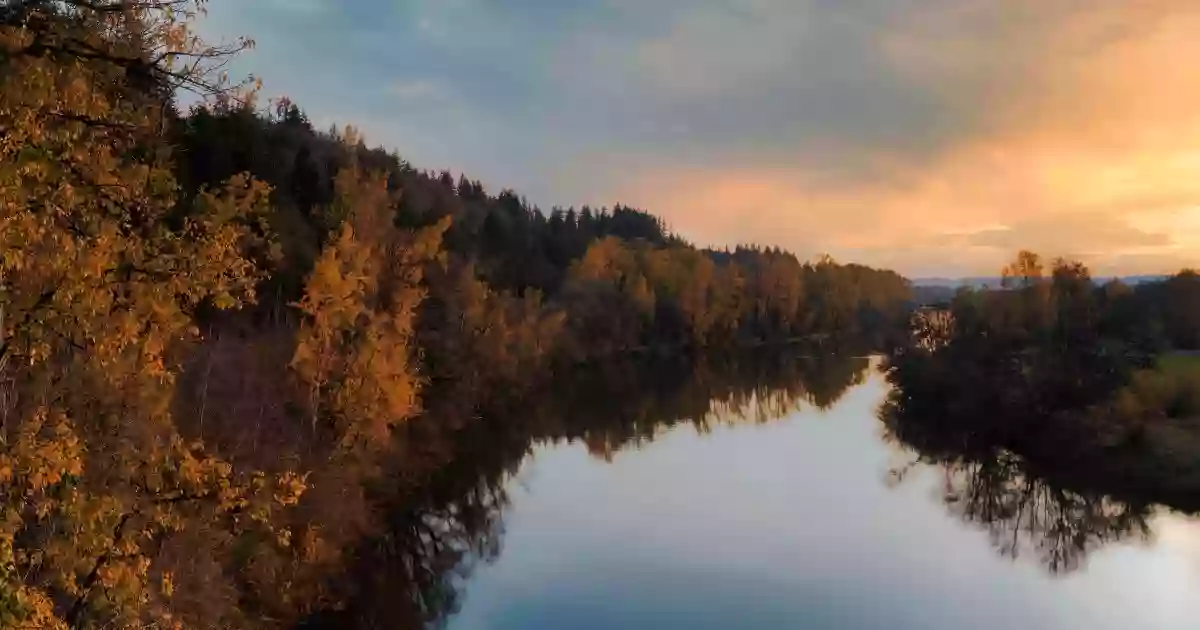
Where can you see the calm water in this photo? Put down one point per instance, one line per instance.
(802, 522)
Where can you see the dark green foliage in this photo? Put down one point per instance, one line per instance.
(1062, 374)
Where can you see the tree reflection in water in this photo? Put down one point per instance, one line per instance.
(1022, 508)
(457, 460)
(1023, 513)
(445, 498)
(622, 407)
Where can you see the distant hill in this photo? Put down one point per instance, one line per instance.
(994, 282)
(932, 294)
(954, 283)
(935, 290)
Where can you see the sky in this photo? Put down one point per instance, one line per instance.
(935, 137)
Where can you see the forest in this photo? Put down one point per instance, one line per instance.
(233, 347)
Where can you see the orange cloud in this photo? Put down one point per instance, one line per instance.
(1078, 133)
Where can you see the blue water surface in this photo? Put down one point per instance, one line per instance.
(797, 523)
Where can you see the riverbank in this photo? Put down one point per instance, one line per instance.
(1138, 442)
(1143, 443)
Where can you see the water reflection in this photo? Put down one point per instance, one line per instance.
(1022, 513)
(625, 406)
(449, 518)
(1007, 468)
(807, 527)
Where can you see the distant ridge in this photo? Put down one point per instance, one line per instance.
(994, 282)
(941, 290)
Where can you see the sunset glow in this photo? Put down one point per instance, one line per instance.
(934, 136)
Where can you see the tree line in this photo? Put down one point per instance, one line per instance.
(618, 279)
(219, 327)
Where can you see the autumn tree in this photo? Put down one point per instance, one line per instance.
(480, 339)
(356, 349)
(610, 298)
(102, 274)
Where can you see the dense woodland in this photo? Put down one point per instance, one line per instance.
(233, 347)
(578, 284)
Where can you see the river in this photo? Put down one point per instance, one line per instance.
(796, 510)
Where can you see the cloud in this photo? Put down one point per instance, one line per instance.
(1063, 126)
(930, 135)
(1076, 235)
(969, 209)
(775, 78)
